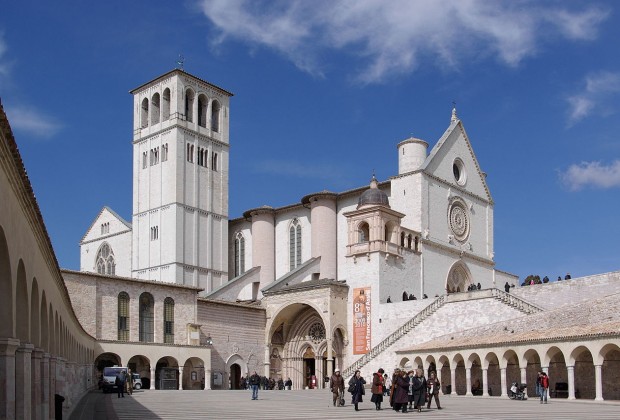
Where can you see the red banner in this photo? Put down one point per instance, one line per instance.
(361, 320)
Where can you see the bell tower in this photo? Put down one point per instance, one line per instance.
(180, 181)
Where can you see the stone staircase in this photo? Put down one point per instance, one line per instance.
(395, 336)
(515, 302)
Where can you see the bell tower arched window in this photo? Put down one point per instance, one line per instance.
(215, 116)
(165, 111)
(202, 110)
(105, 260)
(169, 320)
(189, 105)
(155, 108)
(144, 113)
(123, 316)
(239, 254)
(363, 233)
(295, 244)
(146, 303)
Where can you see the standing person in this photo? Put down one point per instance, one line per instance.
(288, 384)
(129, 382)
(377, 388)
(395, 376)
(120, 383)
(411, 375)
(419, 390)
(387, 384)
(356, 388)
(433, 386)
(544, 387)
(401, 390)
(538, 378)
(336, 384)
(254, 383)
(507, 287)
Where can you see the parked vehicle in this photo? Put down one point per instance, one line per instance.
(517, 392)
(109, 378)
(137, 382)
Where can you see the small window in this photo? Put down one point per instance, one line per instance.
(202, 110)
(239, 254)
(190, 153)
(215, 116)
(169, 321)
(144, 162)
(155, 109)
(165, 112)
(154, 233)
(145, 331)
(294, 244)
(458, 170)
(189, 105)
(214, 161)
(123, 316)
(363, 233)
(144, 116)
(164, 152)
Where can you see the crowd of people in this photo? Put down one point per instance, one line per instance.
(266, 383)
(535, 279)
(406, 390)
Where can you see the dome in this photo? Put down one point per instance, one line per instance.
(373, 196)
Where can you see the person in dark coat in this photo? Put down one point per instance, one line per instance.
(336, 384)
(120, 383)
(419, 390)
(507, 287)
(405, 296)
(356, 388)
(377, 388)
(401, 390)
(433, 386)
(395, 376)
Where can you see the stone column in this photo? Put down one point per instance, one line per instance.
(152, 382)
(45, 386)
(52, 386)
(208, 374)
(8, 346)
(35, 369)
(503, 391)
(23, 384)
(181, 379)
(438, 373)
(485, 382)
(524, 376)
(318, 371)
(267, 362)
(453, 381)
(330, 359)
(468, 381)
(571, 382)
(598, 381)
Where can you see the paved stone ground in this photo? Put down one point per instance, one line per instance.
(306, 405)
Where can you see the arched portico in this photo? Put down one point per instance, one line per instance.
(167, 373)
(236, 367)
(194, 374)
(459, 278)
(142, 366)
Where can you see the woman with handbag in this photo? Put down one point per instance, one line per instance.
(377, 388)
(356, 388)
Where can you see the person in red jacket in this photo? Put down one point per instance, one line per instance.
(544, 387)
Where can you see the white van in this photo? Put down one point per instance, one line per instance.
(109, 377)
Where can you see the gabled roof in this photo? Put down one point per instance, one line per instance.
(113, 213)
(455, 125)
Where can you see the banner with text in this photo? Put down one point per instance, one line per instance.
(361, 320)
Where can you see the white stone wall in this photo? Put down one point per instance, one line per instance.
(121, 247)
(406, 197)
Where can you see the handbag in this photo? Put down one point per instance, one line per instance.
(351, 388)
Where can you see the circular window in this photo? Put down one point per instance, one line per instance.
(458, 219)
(458, 169)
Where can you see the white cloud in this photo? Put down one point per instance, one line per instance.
(390, 37)
(4, 64)
(598, 90)
(593, 174)
(32, 121)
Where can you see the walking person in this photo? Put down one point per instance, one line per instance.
(129, 382)
(377, 388)
(400, 394)
(411, 375)
(544, 387)
(336, 384)
(120, 383)
(433, 386)
(356, 388)
(419, 390)
(255, 381)
(387, 384)
(538, 378)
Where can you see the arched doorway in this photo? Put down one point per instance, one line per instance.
(309, 367)
(142, 366)
(194, 374)
(459, 278)
(167, 373)
(105, 360)
(235, 376)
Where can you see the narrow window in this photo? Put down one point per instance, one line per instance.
(123, 316)
(155, 109)
(363, 232)
(215, 116)
(144, 164)
(144, 116)
(169, 321)
(190, 153)
(164, 152)
(146, 303)
(156, 155)
(214, 161)
(202, 111)
(165, 112)
(294, 244)
(189, 105)
(239, 254)
(104, 261)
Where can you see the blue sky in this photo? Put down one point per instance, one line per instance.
(324, 90)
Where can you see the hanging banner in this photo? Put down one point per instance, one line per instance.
(361, 320)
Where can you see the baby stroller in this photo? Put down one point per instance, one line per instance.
(517, 392)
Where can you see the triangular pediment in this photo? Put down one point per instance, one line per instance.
(115, 225)
(454, 148)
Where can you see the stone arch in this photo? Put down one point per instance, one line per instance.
(430, 364)
(460, 381)
(459, 277)
(475, 363)
(45, 344)
(555, 360)
(167, 373)
(6, 285)
(609, 359)
(583, 362)
(141, 365)
(405, 363)
(236, 367)
(418, 363)
(513, 371)
(531, 361)
(444, 373)
(107, 359)
(494, 375)
(194, 373)
(22, 309)
(391, 232)
(52, 331)
(35, 320)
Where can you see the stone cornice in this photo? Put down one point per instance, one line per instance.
(143, 343)
(176, 203)
(180, 127)
(458, 188)
(97, 276)
(105, 237)
(180, 73)
(456, 251)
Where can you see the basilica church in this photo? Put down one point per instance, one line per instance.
(189, 297)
